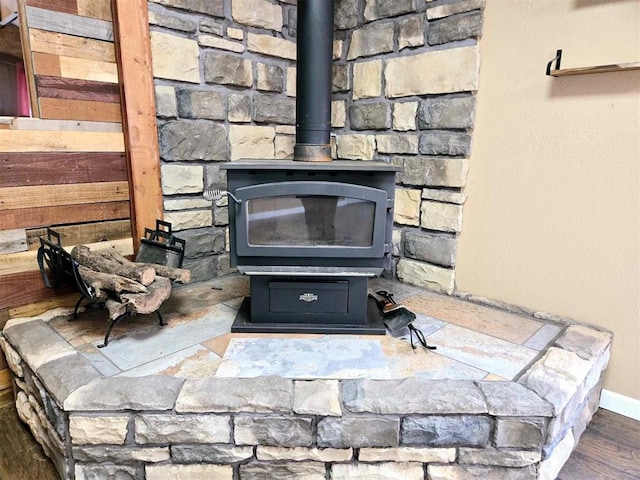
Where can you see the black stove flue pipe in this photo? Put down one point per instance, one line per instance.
(314, 81)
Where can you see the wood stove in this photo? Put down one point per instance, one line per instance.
(310, 235)
(310, 232)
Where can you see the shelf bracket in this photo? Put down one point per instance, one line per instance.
(556, 59)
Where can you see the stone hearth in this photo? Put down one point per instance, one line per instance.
(505, 396)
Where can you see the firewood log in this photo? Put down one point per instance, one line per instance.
(148, 302)
(95, 261)
(109, 281)
(116, 309)
(181, 275)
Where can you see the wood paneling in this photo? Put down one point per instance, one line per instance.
(37, 308)
(66, 6)
(69, 67)
(65, 141)
(131, 22)
(12, 198)
(43, 125)
(27, 261)
(18, 169)
(95, 8)
(47, 64)
(44, 216)
(69, 23)
(83, 234)
(54, 108)
(70, 46)
(26, 287)
(77, 89)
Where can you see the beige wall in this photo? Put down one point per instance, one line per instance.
(552, 221)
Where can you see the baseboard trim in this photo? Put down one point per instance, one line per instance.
(621, 404)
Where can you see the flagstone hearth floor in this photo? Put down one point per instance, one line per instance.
(473, 342)
(503, 396)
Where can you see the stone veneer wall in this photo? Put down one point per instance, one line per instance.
(405, 74)
(167, 428)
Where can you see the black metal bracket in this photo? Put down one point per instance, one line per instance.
(557, 59)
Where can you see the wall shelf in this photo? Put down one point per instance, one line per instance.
(556, 71)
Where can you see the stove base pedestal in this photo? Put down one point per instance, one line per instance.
(372, 324)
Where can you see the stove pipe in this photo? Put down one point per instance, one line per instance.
(314, 81)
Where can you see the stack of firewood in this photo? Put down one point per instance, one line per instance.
(126, 286)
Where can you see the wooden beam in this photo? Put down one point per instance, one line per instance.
(133, 49)
(27, 50)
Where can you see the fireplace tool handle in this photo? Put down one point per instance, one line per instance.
(216, 194)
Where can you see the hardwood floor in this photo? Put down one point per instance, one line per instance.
(608, 450)
(21, 458)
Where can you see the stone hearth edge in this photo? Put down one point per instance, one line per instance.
(160, 427)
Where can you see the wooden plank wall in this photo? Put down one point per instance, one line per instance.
(67, 168)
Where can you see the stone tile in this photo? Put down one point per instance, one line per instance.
(99, 361)
(91, 326)
(63, 375)
(508, 399)
(462, 472)
(500, 324)
(304, 453)
(442, 431)
(502, 458)
(139, 347)
(408, 454)
(541, 339)
(144, 393)
(159, 429)
(557, 376)
(289, 470)
(219, 344)
(482, 351)
(405, 362)
(261, 395)
(207, 453)
(379, 471)
(588, 343)
(273, 431)
(325, 357)
(317, 397)
(400, 291)
(412, 396)
(192, 362)
(36, 342)
(195, 472)
(343, 432)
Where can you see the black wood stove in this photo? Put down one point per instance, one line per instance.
(310, 231)
(310, 235)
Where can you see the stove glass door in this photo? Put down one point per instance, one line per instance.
(311, 221)
(322, 219)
